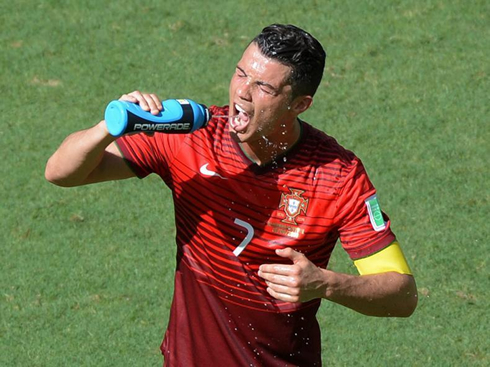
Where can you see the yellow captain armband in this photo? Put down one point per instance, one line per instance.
(390, 258)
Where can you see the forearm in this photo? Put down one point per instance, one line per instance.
(78, 156)
(385, 294)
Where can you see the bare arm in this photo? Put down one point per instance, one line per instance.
(384, 294)
(90, 156)
(87, 156)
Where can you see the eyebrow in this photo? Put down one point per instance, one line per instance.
(260, 82)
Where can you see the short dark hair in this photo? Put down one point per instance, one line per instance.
(297, 49)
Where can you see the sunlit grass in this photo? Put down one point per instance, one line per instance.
(87, 273)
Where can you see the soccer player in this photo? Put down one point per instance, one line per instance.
(260, 200)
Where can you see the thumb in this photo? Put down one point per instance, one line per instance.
(290, 254)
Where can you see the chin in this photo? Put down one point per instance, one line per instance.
(239, 138)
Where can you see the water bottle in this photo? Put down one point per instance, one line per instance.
(178, 116)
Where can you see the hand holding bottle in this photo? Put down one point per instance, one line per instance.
(138, 112)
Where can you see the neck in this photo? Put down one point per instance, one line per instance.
(267, 149)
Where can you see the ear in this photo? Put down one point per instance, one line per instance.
(301, 103)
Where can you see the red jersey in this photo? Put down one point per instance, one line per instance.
(230, 216)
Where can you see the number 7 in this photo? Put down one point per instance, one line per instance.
(248, 237)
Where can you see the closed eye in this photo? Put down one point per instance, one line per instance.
(240, 72)
(264, 86)
(267, 88)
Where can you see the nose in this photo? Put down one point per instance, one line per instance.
(243, 90)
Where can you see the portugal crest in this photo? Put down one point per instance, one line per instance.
(293, 204)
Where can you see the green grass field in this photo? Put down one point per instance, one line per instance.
(87, 273)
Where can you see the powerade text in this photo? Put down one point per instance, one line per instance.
(178, 126)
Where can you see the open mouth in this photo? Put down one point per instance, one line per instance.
(240, 122)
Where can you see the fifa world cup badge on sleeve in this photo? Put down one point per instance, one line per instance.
(375, 214)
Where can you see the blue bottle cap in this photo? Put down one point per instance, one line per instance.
(116, 118)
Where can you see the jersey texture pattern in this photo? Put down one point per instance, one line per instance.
(230, 216)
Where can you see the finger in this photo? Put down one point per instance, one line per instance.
(276, 269)
(285, 280)
(284, 289)
(128, 98)
(290, 254)
(141, 100)
(157, 101)
(282, 296)
(152, 102)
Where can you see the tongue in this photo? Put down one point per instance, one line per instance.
(243, 116)
(240, 122)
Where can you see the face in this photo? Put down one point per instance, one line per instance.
(261, 99)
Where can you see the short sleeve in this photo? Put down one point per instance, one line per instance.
(363, 228)
(150, 154)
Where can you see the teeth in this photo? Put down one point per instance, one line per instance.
(240, 121)
(239, 108)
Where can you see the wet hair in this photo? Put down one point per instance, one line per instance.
(297, 49)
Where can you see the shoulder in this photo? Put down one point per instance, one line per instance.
(324, 150)
(218, 110)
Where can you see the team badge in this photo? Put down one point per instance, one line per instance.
(293, 204)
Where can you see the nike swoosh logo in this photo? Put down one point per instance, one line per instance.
(207, 172)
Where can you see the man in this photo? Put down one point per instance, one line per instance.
(260, 200)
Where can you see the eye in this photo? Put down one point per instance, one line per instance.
(266, 89)
(240, 73)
